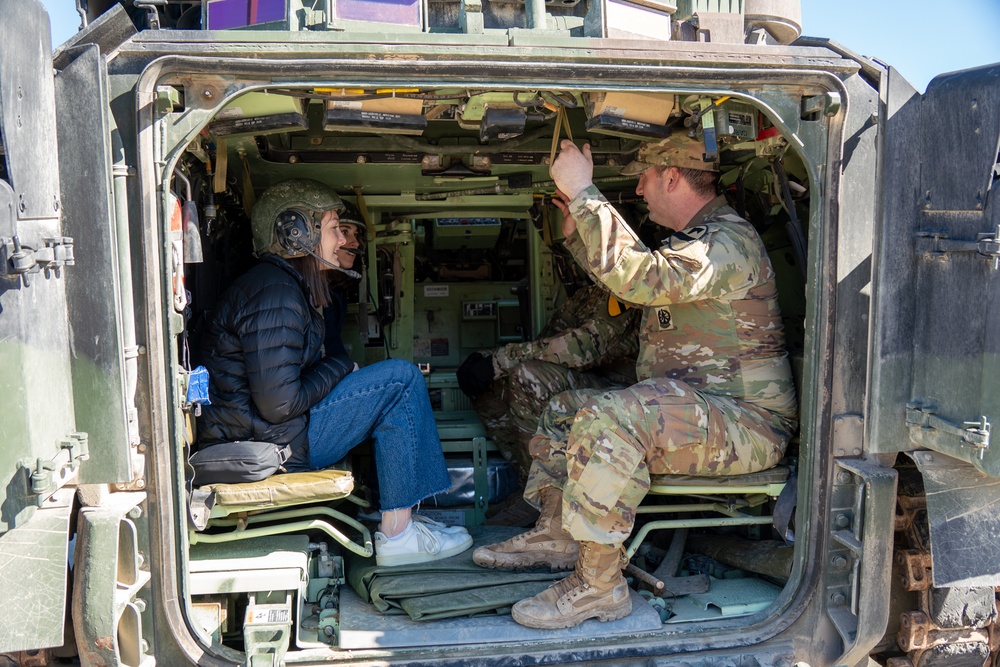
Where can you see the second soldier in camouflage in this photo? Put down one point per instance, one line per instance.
(582, 346)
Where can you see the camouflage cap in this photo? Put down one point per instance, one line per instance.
(674, 151)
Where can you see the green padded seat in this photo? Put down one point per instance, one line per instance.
(294, 488)
(286, 503)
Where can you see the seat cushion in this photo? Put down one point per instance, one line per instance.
(775, 475)
(281, 490)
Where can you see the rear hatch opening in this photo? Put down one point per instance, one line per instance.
(463, 254)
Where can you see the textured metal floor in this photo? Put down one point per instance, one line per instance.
(363, 627)
(727, 597)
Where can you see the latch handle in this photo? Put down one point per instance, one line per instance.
(21, 261)
(922, 418)
(937, 244)
(73, 449)
(989, 246)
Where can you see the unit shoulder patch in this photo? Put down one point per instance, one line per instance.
(685, 237)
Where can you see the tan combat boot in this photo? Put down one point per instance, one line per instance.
(515, 511)
(596, 589)
(545, 545)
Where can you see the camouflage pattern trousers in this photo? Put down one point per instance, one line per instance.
(599, 446)
(511, 409)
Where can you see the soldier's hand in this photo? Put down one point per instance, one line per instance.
(475, 374)
(573, 169)
(561, 202)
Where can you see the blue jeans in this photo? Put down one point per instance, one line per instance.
(387, 402)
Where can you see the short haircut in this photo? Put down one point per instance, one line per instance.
(704, 183)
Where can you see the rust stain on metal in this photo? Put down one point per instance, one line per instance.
(93, 658)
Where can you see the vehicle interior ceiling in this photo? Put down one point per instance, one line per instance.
(463, 253)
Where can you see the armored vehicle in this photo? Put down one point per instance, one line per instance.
(133, 154)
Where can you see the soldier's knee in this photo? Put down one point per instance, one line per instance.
(531, 371)
(526, 369)
(562, 403)
(523, 382)
(616, 406)
(542, 448)
(537, 378)
(608, 421)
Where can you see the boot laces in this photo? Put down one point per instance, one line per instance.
(569, 584)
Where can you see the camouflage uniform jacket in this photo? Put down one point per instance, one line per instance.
(710, 311)
(582, 335)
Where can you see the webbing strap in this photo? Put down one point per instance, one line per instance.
(784, 509)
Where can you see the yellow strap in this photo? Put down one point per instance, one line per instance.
(565, 115)
(221, 166)
(546, 224)
(363, 208)
(249, 198)
(555, 136)
(561, 122)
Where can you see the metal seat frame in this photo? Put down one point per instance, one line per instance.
(735, 497)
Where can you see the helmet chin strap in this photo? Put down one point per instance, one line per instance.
(352, 274)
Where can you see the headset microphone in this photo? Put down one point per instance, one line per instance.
(295, 234)
(352, 274)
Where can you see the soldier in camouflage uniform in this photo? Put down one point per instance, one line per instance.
(715, 393)
(588, 342)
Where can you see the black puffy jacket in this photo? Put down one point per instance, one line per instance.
(262, 351)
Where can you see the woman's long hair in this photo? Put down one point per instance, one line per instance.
(319, 286)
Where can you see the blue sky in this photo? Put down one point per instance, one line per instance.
(920, 38)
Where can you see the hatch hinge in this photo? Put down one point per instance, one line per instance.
(20, 260)
(927, 429)
(937, 244)
(827, 104)
(49, 475)
(152, 16)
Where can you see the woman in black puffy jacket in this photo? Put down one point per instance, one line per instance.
(278, 375)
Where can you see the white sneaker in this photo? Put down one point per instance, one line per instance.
(419, 543)
(438, 526)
